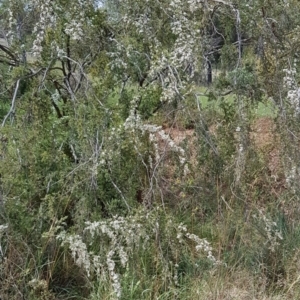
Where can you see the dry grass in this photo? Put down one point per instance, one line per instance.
(236, 285)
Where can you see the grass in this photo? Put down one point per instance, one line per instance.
(265, 108)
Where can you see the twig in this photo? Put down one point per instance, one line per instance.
(223, 199)
(12, 107)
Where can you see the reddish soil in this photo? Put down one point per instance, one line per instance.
(178, 135)
(268, 143)
(263, 133)
(264, 137)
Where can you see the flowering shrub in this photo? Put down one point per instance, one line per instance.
(157, 136)
(291, 107)
(107, 248)
(273, 234)
(84, 141)
(293, 90)
(50, 15)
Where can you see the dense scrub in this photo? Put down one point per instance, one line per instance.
(149, 150)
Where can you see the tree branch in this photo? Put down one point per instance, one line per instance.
(12, 107)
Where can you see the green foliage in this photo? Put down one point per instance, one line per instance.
(121, 178)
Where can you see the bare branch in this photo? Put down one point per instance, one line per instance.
(12, 107)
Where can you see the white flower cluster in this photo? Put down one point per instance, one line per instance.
(201, 244)
(170, 143)
(120, 237)
(11, 24)
(153, 139)
(181, 232)
(122, 233)
(158, 65)
(118, 57)
(57, 51)
(171, 90)
(115, 277)
(3, 229)
(46, 20)
(293, 90)
(195, 4)
(270, 227)
(167, 67)
(175, 277)
(38, 285)
(291, 175)
(156, 134)
(133, 121)
(166, 137)
(138, 17)
(142, 24)
(187, 29)
(51, 13)
(75, 27)
(78, 249)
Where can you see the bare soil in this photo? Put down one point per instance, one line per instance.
(265, 139)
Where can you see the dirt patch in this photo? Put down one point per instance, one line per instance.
(178, 136)
(264, 137)
(262, 133)
(267, 142)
